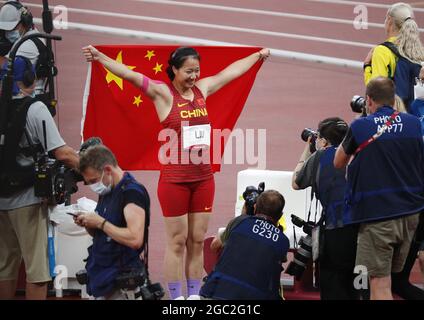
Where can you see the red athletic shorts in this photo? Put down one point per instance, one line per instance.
(177, 199)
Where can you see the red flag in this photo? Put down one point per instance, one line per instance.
(126, 119)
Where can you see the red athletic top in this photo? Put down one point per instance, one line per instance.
(187, 113)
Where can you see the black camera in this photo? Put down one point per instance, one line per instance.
(54, 181)
(306, 133)
(304, 251)
(250, 195)
(138, 281)
(358, 104)
(82, 277)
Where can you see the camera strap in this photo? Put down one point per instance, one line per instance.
(378, 134)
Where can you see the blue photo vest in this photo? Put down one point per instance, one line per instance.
(107, 258)
(251, 263)
(331, 189)
(386, 179)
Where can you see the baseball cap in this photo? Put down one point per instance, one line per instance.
(19, 69)
(9, 17)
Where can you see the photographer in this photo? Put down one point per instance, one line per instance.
(254, 249)
(385, 188)
(119, 229)
(23, 217)
(338, 245)
(16, 21)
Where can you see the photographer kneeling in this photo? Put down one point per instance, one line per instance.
(316, 170)
(23, 215)
(120, 228)
(254, 249)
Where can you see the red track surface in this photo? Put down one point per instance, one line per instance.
(287, 96)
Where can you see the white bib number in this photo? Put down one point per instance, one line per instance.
(196, 136)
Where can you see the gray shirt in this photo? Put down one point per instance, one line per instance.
(37, 112)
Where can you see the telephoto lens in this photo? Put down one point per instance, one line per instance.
(306, 133)
(358, 104)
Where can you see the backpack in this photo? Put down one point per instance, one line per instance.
(45, 68)
(15, 177)
(45, 61)
(404, 76)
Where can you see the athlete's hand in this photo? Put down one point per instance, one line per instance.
(91, 53)
(264, 54)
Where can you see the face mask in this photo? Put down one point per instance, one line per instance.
(318, 144)
(100, 188)
(26, 94)
(13, 35)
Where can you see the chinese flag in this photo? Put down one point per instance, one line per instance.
(126, 119)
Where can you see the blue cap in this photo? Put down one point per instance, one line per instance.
(20, 66)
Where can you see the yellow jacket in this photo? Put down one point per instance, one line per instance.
(383, 63)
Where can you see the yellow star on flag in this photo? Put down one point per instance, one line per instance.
(112, 77)
(137, 100)
(150, 54)
(158, 68)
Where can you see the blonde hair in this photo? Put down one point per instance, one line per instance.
(399, 105)
(408, 41)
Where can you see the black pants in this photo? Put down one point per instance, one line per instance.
(400, 281)
(336, 264)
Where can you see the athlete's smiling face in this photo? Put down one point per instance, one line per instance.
(188, 73)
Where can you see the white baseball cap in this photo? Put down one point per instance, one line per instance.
(9, 17)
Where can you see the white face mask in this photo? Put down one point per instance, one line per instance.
(318, 144)
(13, 35)
(100, 188)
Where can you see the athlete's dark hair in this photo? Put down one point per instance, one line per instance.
(178, 57)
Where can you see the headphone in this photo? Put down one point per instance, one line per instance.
(29, 74)
(26, 16)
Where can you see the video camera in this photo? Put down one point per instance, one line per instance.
(304, 252)
(250, 195)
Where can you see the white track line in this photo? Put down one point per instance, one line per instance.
(293, 55)
(258, 12)
(219, 27)
(367, 4)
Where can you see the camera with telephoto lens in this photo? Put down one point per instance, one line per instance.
(306, 133)
(138, 281)
(358, 104)
(304, 252)
(250, 195)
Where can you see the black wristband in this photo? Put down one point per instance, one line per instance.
(366, 65)
(102, 226)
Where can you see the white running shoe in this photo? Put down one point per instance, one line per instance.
(180, 298)
(194, 297)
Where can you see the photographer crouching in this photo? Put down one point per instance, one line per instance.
(338, 243)
(30, 131)
(119, 229)
(254, 248)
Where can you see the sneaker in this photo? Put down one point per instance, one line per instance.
(194, 297)
(180, 298)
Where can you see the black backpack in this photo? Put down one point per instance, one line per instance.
(45, 61)
(45, 68)
(405, 74)
(13, 176)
